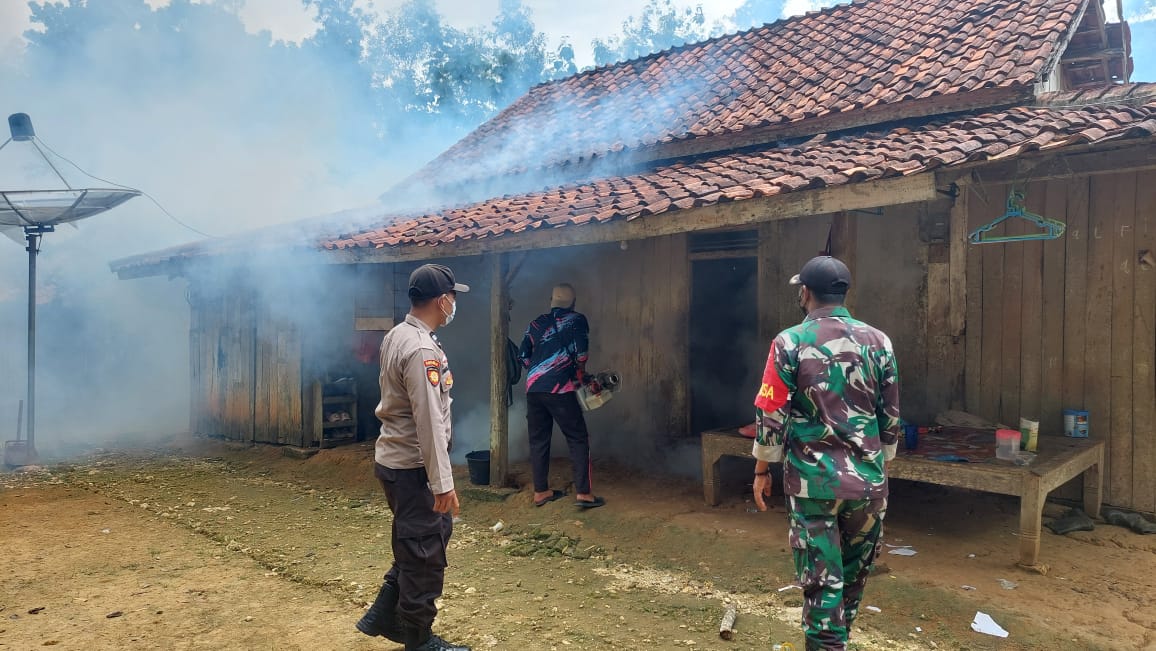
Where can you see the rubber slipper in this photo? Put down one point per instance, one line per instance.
(591, 504)
(556, 496)
(1133, 521)
(1073, 520)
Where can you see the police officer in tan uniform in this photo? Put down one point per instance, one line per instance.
(412, 462)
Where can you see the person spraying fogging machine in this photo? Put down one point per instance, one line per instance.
(828, 408)
(555, 349)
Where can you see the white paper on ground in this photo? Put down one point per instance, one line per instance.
(983, 623)
(903, 551)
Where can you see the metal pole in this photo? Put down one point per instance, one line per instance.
(33, 235)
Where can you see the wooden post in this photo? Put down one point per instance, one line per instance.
(1093, 485)
(957, 281)
(772, 289)
(499, 382)
(957, 261)
(1031, 520)
(844, 237)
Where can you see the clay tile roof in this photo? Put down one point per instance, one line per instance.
(864, 54)
(851, 158)
(1059, 120)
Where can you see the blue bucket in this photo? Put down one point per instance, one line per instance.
(479, 463)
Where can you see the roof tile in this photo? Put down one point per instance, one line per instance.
(767, 171)
(788, 71)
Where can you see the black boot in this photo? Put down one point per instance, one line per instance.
(422, 639)
(381, 618)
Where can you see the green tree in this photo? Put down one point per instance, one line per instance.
(659, 26)
(433, 77)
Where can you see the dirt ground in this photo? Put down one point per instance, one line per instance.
(196, 544)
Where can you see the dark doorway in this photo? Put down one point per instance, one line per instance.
(726, 358)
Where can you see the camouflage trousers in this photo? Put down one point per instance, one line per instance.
(834, 543)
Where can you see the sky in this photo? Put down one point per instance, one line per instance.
(288, 20)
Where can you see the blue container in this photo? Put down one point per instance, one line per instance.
(1076, 423)
(910, 436)
(479, 463)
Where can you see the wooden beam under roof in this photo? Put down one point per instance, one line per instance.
(856, 196)
(1132, 155)
(1135, 156)
(1074, 56)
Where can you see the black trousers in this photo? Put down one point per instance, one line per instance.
(542, 411)
(419, 537)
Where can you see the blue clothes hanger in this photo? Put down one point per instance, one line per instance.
(1052, 229)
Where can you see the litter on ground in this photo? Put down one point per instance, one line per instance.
(983, 623)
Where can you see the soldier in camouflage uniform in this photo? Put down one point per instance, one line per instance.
(830, 402)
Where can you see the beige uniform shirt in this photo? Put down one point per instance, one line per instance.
(415, 404)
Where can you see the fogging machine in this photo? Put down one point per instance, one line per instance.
(598, 389)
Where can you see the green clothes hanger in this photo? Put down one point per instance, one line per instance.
(1052, 229)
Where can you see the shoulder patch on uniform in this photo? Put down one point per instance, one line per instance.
(432, 363)
(433, 376)
(773, 393)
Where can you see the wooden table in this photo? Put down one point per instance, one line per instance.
(1060, 460)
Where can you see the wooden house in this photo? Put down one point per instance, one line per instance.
(680, 191)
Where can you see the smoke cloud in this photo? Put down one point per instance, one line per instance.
(229, 130)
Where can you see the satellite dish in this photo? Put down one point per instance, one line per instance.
(32, 213)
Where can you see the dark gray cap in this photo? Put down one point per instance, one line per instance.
(824, 275)
(433, 280)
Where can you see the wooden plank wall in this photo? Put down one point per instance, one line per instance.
(205, 400)
(237, 366)
(637, 300)
(639, 303)
(890, 293)
(1071, 323)
(245, 366)
(889, 273)
(278, 398)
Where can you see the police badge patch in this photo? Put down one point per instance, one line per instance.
(431, 371)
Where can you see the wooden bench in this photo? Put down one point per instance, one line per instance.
(1060, 460)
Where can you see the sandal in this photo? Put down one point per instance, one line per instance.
(556, 496)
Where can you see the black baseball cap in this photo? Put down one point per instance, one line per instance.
(433, 280)
(824, 275)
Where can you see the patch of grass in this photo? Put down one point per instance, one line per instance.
(483, 495)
